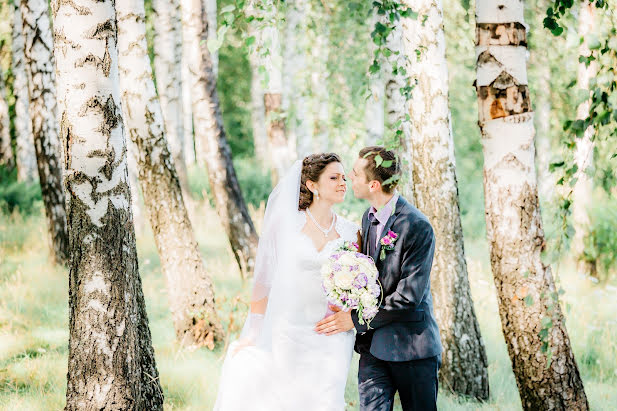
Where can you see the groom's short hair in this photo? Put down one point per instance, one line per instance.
(387, 172)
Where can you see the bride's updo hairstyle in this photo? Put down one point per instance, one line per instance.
(312, 168)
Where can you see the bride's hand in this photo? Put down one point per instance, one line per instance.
(334, 308)
(241, 344)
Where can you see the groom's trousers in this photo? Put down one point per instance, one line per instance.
(415, 381)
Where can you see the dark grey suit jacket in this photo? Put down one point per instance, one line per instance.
(404, 328)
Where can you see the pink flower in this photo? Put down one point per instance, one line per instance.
(356, 245)
(386, 241)
(392, 235)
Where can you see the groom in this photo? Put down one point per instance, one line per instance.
(401, 351)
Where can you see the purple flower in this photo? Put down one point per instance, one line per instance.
(353, 303)
(353, 268)
(374, 289)
(369, 312)
(361, 280)
(336, 267)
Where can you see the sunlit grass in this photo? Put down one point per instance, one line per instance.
(34, 324)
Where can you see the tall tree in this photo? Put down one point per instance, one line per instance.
(191, 295)
(111, 359)
(24, 147)
(296, 104)
(282, 153)
(6, 148)
(188, 137)
(211, 10)
(168, 70)
(319, 53)
(583, 153)
(532, 322)
(435, 190)
(258, 109)
(374, 113)
(39, 67)
(215, 151)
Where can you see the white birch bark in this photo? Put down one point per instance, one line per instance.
(209, 130)
(211, 16)
(583, 153)
(435, 188)
(296, 103)
(319, 81)
(39, 68)
(168, 70)
(546, 181)
(188, 138)
(6, 149)
(282, 153)
(24, 147)
(111, 359)
(191, 296)
(258, 109)
(530, 313)
(374, 111)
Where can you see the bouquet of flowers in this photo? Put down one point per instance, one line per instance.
(349, 279)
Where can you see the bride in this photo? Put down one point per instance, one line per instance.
(279, 361)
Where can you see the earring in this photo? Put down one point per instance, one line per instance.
(316, 194)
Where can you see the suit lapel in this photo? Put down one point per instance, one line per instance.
(365, 234)
(386, 228)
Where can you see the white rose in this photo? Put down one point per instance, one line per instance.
(368, 300)
(347, 260)
(328, 283)
(344, 279)
(325, 270)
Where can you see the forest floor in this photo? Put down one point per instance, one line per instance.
(34, 324)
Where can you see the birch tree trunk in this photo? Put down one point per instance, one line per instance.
(296, 104)
(532, 322)
(168, 70)
(209, 129)
(281, 151)
(211, 17)
(188, 138)
(374, 112)
(191, 295)
(6, 148)
(464, 369)
(319, 79)
(546, 182)
(38, 52)
(111, 359)
(24, 147)
(583, 154)
(258, 110)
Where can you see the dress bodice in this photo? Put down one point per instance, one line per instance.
(311, 300)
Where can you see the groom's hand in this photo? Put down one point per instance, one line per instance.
(338, 322)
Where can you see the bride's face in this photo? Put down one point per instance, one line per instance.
(332, 184)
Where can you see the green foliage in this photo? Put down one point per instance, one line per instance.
(14, 195)
(254, 180)
(601, 241)
(558, 10)
(234, 83)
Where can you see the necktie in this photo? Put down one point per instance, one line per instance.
(372, 234)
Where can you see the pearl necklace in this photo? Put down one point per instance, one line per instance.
(323, 230)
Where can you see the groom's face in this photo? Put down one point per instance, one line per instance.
(359, 182)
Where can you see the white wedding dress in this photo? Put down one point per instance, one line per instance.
(290, 367)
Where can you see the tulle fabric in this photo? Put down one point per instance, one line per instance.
(287, 365)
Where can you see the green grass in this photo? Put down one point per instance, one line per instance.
(34, 321)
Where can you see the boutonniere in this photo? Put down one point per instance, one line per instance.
(387, 243)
